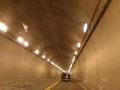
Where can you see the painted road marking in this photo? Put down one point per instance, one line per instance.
(85, 85)
(88, 86)
(51, 86)
(81, 85)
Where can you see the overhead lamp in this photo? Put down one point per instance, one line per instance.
(70, 67)
(73, 59)
(25, 26)
(48, 60)
(20, 39)
(63, 71)
(3, 27)
(36, 51)
(78, 45)
(43, 56)
(52, 63)
(26, 43)
(75, 52)
(85, 27)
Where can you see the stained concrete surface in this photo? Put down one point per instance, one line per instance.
(19, 65)
(98, 65)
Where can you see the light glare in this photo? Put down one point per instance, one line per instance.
(43, 56)
(75, 52)
(3, 27)
(79, 45)
(37, 52)
(26, 43)
(70, 66)
(73, 59)
(25, 26)
(20, 39)
(85, 27)
(52, 63)
(48, 60)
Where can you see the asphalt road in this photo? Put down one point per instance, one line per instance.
(66, 85)
(54, 84)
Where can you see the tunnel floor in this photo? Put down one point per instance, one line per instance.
(54, 84)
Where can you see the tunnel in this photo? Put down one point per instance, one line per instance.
(42, 39)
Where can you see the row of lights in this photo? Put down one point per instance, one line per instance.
(57, 66)
(78, 45)
(73, 60)
(21, 40)
(3, 28)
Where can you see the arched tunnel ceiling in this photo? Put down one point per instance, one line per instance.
(54, 26)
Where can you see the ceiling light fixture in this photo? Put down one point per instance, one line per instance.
(73, 59)
(52, 63)
(36, 51)
(25, 26)
(75, 52)
(48, 60)
(43, 56)
(3, 27)
(57, 66)
(20, 39)
(78, 45)
(85, 27)
(26, 43)
(70, 66)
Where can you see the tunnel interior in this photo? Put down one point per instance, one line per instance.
(40, 39)
(54, 28)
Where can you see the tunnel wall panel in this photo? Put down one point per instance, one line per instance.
(18, 64)
(98, 64)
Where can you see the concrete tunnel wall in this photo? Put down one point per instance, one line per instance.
(18, 64)
(99, 63)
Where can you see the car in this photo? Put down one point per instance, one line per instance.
(65, 76)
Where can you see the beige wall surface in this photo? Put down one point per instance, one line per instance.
(99, 63)
(18, 64)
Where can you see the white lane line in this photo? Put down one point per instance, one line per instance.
(81, 85)
(88, 86)
(85, 85)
